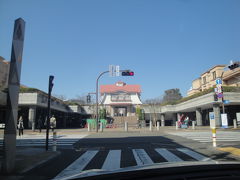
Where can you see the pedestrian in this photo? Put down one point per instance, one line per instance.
(40, 124)
(20, 126)
(53, 123)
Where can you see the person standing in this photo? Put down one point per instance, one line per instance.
(20, 126)
(40, 124)
(53, 123)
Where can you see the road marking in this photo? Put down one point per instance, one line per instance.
(141, 157)
(112, 161)
(78, 165)
(168, 155)
(232, 150)
(193, 154)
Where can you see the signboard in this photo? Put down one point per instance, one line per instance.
(224, 120)
(212, 120)
(238, 118)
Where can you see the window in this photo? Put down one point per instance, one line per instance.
(204, 80)
(214, 75)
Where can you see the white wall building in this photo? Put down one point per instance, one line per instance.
(120, 99)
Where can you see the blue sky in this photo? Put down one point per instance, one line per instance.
(167, 43)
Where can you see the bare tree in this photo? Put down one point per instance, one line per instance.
(60, 96)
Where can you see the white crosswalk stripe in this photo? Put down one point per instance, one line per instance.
(78, 165)
(168, 155)
(194, 154)
(113, 160)
(141, 157)
(206, 137)
(41, 141)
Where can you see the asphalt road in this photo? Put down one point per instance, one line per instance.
(113, 150)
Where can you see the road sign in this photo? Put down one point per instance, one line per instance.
(218, 81)
(224, 120)
(117, 70)
(112, 70)
(226, 101)
(220, 95)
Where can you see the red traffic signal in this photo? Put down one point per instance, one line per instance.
(127, 73)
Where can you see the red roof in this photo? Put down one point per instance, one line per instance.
(120, 86)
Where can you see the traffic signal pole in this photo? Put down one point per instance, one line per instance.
(124, 73)
(97, 98)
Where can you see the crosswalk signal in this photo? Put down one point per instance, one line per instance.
(127, 73)
(233, 66)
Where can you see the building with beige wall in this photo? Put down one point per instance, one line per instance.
(208, 79)
(4, 69)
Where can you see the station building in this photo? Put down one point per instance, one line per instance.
(120, 100)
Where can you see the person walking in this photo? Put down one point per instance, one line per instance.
(53, 123)
(20, 126)
(40, 124)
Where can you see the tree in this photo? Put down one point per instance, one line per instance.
(139, 113)
(171, 95)
(102, 113)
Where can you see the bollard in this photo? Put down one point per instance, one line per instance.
(150, 126)
(158, 125)
(89, 127)
(176, 125)
(235, 123)
(126, 126)
(54, 144)
(214, 139)
(101, 126)
(193, 124)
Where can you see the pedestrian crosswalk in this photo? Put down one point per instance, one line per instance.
(205, 137)
(41, 140)
(113, 159)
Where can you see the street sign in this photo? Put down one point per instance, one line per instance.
(112, 69)
(117, 70)
(220, 95)
(218, 81)
(212, 120)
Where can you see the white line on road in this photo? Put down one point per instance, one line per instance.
(78, 165)
(193, 154)
(141, 157)
(113, 160)
(168, 155)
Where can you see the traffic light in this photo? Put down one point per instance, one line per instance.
(51, 83)
(127, 73)
(215, 97)
(88, 98)
(233, 66)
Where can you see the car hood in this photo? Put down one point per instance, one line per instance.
(95, 172)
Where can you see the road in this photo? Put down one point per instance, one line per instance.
(114, 150)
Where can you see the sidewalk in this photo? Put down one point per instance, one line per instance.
(28, 158)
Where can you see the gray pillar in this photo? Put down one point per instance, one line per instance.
(162, 120)
(12, 97)
(217, 114)
(199, 117)
(32, 117)
(174, 117)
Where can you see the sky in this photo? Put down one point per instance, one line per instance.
(167, 43)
